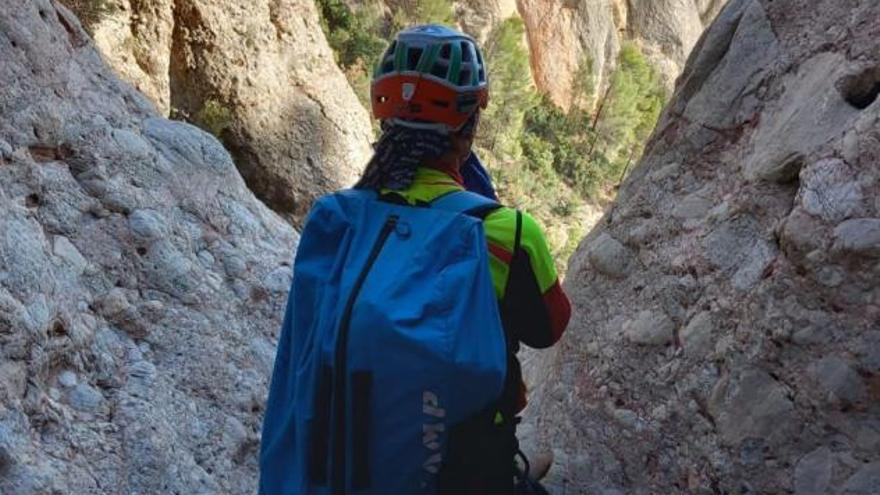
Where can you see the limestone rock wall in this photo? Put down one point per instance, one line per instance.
(563, 34)
(479, 17)
(726, 336)
(141, 282)
(260, 75)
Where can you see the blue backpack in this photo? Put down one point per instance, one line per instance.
(392, 336)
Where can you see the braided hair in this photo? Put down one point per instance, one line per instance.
(400, 150)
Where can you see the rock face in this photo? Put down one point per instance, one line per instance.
(141, 283)
(563, 35)
(726, 336)
(479, 17)
(260, 75)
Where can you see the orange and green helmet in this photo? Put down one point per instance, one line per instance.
(431, 76)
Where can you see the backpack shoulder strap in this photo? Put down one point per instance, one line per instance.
(467, 203)
(365, 194)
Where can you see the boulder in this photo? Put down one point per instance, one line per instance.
(754, 217)
(562, 35)
(261, 76)
(125, 360)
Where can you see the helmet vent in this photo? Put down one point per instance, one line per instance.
(446, 51)
(412, 58)
(440, 69)
(466, 53)
(464, 79)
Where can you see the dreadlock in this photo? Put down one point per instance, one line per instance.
(400, 150)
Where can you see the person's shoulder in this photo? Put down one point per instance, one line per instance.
(504, 218)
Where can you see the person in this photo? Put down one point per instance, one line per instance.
(396, 369)
(424, 153)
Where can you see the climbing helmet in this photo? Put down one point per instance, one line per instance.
(430, 76)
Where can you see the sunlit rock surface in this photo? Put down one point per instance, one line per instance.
(564, 36)
(141, 283)
(261, 75)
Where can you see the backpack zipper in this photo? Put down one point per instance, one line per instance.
(341, 355)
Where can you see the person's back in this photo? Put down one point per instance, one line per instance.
(428, 90)
(535, 312)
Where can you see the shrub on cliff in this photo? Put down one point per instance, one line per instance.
(512, 90)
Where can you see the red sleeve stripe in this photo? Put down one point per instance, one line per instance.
(500, 253)
(558, 309)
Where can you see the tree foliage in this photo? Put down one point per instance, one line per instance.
(90, 12)
(548, 161)
(568, 158)
(355, 35)
(635, 99)
(512, 90)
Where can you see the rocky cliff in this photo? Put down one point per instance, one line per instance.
(141, 283)
(258, 74)
(726, 336)
(564, 36)
(479, 17)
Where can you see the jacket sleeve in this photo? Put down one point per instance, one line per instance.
(534, 307)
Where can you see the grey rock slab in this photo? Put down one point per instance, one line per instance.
(751, 405)
(147, 225)
(649, 327)
(812, 474)
(793, 130)
(864, 482)
(784, 262)
(5, 150)
(142, 369)
(64, 249)
(738, 247)
(67, 379)
(103, 207)
(813, 335)
(697, 335)
(830, 276)
(830, 190)
(859, 236)
(85, 398)
(752, 50)
(838, 380)
(693, 206)
(866, 349)
(611, 257)
(278, 280)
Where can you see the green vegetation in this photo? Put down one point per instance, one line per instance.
(423, 12)
(512, 93)
(592, 149)
(632, 105)
(358, 36)
(90, 12)
(355, 36)
(213, 117)
(553, 163)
